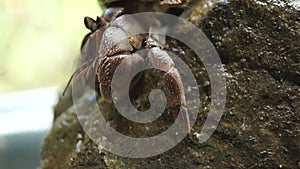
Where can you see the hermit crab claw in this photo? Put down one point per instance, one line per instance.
(115, 40)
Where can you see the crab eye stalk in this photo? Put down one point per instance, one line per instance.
(90, 23)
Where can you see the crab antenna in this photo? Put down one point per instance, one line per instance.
(68, 84)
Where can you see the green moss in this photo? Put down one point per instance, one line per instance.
(60, 142)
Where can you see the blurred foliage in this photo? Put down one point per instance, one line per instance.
(40, 41)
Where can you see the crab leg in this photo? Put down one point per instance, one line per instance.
(161, 60)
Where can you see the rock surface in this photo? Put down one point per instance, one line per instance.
(258, 42)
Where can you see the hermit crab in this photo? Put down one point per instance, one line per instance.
(105, 47)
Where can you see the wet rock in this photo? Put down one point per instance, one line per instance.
(60, 142)
(263, 34)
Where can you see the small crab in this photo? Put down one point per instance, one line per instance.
(104, 49)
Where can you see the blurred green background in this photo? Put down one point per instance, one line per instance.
(40, 41)
(39, 44)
